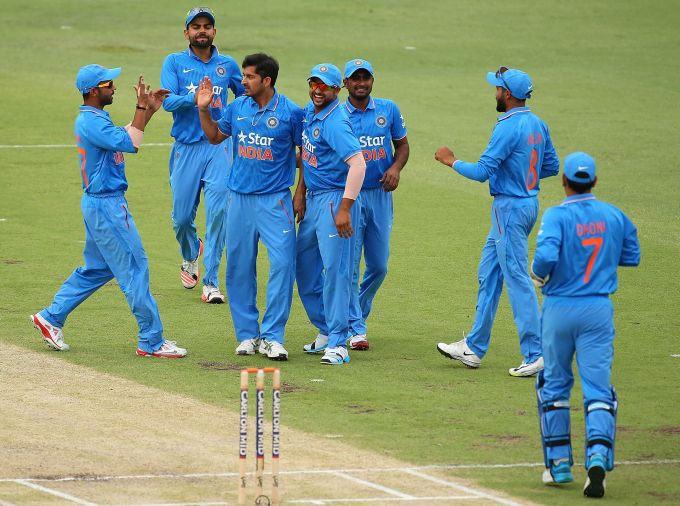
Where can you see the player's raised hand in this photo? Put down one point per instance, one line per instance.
(204, 94)
(445, 156)
(156, 98)
(142, 91)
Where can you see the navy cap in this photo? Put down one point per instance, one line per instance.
(328, 73)
(199, 11)
(579, 167)
(90, 76)
(518, 83)
(353, 65)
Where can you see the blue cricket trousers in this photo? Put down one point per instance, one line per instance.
(193, 167)
(250, 218)
(373, 237)
(113, 248)
(324, 265)
(505, 258)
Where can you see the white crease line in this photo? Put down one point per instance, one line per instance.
(376, 486)
(322, 471)
(383, 499)
(462, 488)
(52, 146)
(50, 491)
(6, 503)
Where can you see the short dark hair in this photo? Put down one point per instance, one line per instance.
(580, 187)
(265, 65)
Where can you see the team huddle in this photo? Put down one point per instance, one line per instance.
(243, 155)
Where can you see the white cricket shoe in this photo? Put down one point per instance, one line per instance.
(272, 350)
(168, 349)
(189, 272)
(358, 342)
(317, 346)
(248, 346)
(524, 369)
(335, 356)
(212, 295)
(53, 336)
(461, 352)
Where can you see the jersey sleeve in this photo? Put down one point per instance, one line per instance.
(101, 132)
(296, 116)
(548, 244)
(499, 148)
(398, 124)
(235, 81)
(170, 81)
(341, 138)
(630, 252)
(224, 123)
(551, 163)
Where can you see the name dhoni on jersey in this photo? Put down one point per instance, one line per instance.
(591, 228)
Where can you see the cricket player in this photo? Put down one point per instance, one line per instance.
(113, 248)
(334, 170)
(580, 245)
(196, 164)
(381, 130)
(519, 153)
(266, 126)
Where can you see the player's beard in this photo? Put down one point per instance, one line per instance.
(203, 43)
(501, 106)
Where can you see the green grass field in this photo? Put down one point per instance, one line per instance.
(606, 80)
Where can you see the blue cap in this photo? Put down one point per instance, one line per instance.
(353, 65)
(328, 73)
(518, 83)
(90, 76)
(199, 11)
(579, 167)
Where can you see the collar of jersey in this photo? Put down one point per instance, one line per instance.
(89, 108)
(579, 197)
(351, 108)
(323, 113)
(213, 53)
(271, 105)
(516, 110)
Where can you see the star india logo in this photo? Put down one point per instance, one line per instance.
(272, 122)
(381, 121)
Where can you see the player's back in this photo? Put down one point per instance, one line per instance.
(596, 238)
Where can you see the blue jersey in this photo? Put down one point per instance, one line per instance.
(327, 142)
(101, 145)
(519, 153)
(376, 128)
(264, 143)
(580, 244)
(181, 74)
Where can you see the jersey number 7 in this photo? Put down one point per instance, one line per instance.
(597, 243)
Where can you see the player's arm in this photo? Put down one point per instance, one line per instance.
(355, 179)
(551, 163)
(148, 102)
(390, 179)
(630, 253)
(300, 196)
(170, 81)
(211, 129)
(547, 247)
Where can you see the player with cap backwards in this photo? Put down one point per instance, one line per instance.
(334, 171)
(266, 126)
(196, 164)
(580, 245)
(519, 153)
(381, 130)
(113, 248)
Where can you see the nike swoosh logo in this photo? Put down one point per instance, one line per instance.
(332, 235)
(186, 70)
(286, 231)
(467, 354)
(239, 118)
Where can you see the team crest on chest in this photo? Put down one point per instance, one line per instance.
(381, 121)
(220, 71)
(272, 122)
(316, 132)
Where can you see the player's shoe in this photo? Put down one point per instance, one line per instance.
(461, 352)
(335, 356)
(212, 295)
(524, 369)
(190, 272)
(558, 473)
(248, 346)
(168, 349)
(595, 483)
(358, 342)
(317, 346)
(272, 350)
(53, 336)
